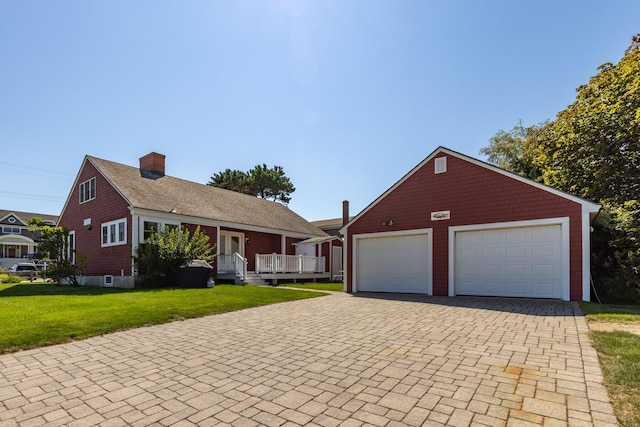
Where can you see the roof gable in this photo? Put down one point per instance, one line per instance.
(587, 207)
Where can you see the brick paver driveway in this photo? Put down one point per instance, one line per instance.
(336, 360)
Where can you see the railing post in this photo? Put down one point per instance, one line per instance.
(274, 257)
(300, 261)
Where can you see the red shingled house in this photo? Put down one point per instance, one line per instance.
(455, 225)
(112, 208)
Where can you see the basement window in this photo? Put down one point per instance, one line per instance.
(440, 165)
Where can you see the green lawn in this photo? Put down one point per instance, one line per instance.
(34, 315)
(336, 287)
(619, 354)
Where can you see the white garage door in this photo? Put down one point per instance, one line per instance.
(510, 262)
(393, 264)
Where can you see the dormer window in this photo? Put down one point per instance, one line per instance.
(88, 190)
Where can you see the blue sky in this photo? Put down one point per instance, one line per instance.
(347, 96)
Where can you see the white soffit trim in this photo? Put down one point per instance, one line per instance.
(214, 223)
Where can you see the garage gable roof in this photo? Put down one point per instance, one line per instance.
(187, 198)
(587, 207)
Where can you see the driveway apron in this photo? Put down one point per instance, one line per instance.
(381, 360)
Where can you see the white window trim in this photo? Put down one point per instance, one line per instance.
(108, 225)
(161, 226)
(71, 247)
(81, 190)
(440, 164)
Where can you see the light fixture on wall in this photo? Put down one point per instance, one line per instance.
(387, 222)
(247, 241)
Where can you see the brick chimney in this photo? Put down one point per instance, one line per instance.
(152, 165)
(345, 212)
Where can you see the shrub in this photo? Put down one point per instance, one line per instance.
(6, 278)
(616, 253)
(159, 259)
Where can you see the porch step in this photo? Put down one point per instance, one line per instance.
(252, 278)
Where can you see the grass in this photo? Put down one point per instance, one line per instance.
(619, 355)
(610, 312)
(36, 314)
(318, 286)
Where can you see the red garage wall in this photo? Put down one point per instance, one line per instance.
(475, 195)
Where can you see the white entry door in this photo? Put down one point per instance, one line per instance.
(231, 242)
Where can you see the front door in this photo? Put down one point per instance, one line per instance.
(230, 243)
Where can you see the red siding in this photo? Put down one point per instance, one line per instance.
(474, 195)
(259, 243)
(107, 206)
(289, 248)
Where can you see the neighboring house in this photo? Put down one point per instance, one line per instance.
(332, 244)
(455, 225)
(17, 242)
(329, 248)
(112, 208)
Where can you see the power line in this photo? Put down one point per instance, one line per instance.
(37, 169)
(42, 197)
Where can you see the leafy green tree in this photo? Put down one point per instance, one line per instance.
(159, 258)
(54, 242)
(513, 150)
(616, 252)
(261, 181)
(592, 150)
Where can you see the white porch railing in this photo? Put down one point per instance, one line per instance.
(276, 263)
(234, 263)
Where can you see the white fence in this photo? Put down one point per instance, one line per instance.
(276, 263)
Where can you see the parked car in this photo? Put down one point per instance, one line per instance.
(23, 266)
(24, 269)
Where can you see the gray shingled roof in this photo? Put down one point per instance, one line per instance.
(200, 200)
(26, 216)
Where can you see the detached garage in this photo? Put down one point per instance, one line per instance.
(455, 225)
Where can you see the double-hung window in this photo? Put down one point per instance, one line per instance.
(88, 190)
(149, 227)
(114, 233)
